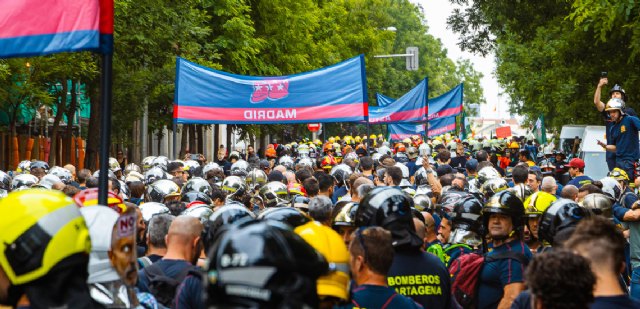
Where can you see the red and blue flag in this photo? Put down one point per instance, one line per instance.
(337, 93)
(37, 27)
(448, 104)
(411, 107)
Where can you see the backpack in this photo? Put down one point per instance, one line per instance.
(162, 286)
(465, 274)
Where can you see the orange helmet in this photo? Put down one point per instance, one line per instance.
(400, 147)
(328, 147)
(270, 153)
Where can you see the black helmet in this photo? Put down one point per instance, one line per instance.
(226, 215)
(197, 184)
(562, 214)
(618, 88)
(466, 222)
(493, 186)
(262, 264)
(507, 203)
(287, 215)
(390, 209)
(194, 196)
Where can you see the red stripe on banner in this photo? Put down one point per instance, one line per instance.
(446, 112)
(445, 129)
(311, 113)
(365, 106)
(400, 136)
(36, 17)
(106, 16)
(416, 114)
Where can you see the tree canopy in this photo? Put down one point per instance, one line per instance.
(550, 53)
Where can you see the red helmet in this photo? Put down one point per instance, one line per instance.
(400, 148)
(89, 197)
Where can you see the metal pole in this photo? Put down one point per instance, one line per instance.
(175, 138)
(144, 133)
(105, 124)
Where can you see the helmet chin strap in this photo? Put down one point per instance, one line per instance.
(503, 237)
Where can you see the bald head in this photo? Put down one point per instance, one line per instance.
(280, 169)
(429, 224)
(185, 227)
(570, 192)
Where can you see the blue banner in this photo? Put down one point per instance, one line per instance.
(383, 100)
(337, 93)
(400, 131)
(411, 107)
(441, 126)
(448, 104)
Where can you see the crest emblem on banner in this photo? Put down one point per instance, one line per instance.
(269, 89)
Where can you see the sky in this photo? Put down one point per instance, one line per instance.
(436, 13)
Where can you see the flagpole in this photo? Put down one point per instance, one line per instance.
(105, 124)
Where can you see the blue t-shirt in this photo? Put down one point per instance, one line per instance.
(625, 137)
(580, 181)
(411, 165)
(189, 293)
(621, 301)
(375, 296)
(495, 275)
(421, 276)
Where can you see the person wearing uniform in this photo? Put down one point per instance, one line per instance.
(618, 93)
(501, 280)
(371, 257)
(413, 273)
(624, 137)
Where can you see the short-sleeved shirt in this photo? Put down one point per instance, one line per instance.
(580, 181)
(375, 296)
(495, 275)
(625, 136)
(422, 277)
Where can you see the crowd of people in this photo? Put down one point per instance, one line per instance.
(351, 222)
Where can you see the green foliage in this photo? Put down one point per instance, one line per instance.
(550, 53)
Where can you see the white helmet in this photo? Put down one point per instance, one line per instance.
(114, 166)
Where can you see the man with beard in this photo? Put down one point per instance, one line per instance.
(183, 250)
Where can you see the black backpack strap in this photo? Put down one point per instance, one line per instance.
(507, 255)
(153, 271)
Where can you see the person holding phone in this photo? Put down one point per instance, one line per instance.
(615, 92)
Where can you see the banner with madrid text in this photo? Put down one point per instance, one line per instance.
(448, 104)
(411, 107)
(337, 93)
(35, 27)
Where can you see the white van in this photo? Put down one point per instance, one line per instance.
(593, 155)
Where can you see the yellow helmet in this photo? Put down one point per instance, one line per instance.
(332, 140)
(618, 174)
(357, 139)
(537, 203)
(317, 142)
(329, 243)
(337, 138)
(373, 136)
(40, 229)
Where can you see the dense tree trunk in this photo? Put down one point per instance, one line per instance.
(216, 140)
(229, 143)
(192, 139)
(200, 133)
(184, 141)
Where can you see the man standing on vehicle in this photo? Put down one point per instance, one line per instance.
(616, 93)
(624, 136)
